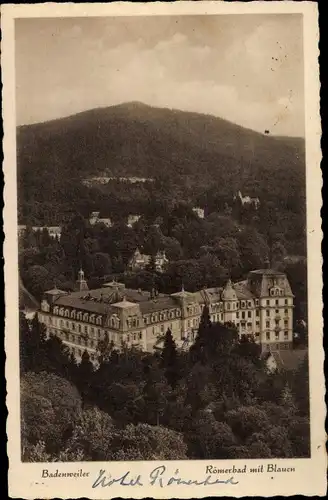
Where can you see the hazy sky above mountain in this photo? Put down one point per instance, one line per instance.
(245, 68)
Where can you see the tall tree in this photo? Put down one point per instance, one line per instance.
(32, 345)
(197, 350)
(169, 360)
(85, 376)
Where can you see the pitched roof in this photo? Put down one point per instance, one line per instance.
(270, 272)
(101, 300)
(289, 359)
(242, 290)
(26, 299)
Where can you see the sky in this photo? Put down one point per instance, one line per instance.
(247, 69)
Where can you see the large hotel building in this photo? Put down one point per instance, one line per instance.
(261, 305)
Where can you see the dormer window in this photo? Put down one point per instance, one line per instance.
(56, 310)
(66, 313)
(61, 311)
(73, 314)
(45, 306)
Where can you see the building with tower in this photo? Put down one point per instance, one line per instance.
(260, 306)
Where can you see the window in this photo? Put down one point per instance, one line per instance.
(188, 323)
(286, 302)
(286, 335)
(277, 302)
(242, 303)
(277, 335)
(277, 322)
(267, 312)
(249, 303)
(257, 323)
(268, 302)
(268, 335)
(286, 311)
(140, 335)
(286, 322)
(73, 326)
(228, 305)
(243, 314)
(61, 322)
(67, 324)
(257, 312)
(267, 324)
(85, 329)
(162, 328)
(277, 311)
(79, 328)
(237, 314)
(249, 314)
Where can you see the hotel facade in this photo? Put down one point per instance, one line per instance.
(260, 306)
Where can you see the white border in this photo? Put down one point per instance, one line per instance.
(310, 476)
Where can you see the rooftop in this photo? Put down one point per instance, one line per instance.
(267, 272)
(289, 359)
(124, 304)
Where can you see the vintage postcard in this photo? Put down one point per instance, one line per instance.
(163, 269)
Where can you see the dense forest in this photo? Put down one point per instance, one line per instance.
(197, 159)
(216, 401)
(201, 252)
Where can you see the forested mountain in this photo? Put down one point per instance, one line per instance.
(201, 153)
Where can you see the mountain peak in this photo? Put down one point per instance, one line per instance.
(133, 105)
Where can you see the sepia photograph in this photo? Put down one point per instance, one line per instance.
(162, 242)
(162, 238)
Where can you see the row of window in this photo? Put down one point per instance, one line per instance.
(268, 312)
(87, 342)
(79, 315)
(276, 335)
(276, 302)
(277, 291)
(277, 323)
(162, 316)
(75, 339)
